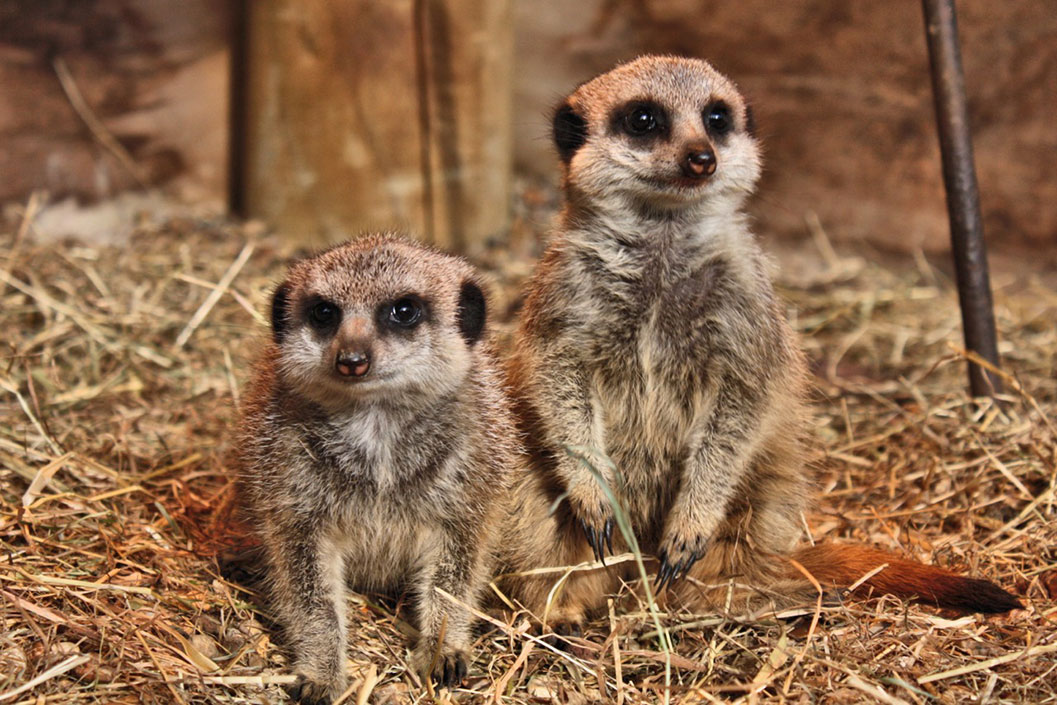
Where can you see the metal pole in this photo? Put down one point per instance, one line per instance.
(237, 120)
(963, 197)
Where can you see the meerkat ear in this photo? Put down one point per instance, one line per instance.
(750, 121)
(280, 311)
(570, 131)
(471, 312)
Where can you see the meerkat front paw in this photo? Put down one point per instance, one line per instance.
(308, 690)
(594, 515)
(447, 670)
(678, 553)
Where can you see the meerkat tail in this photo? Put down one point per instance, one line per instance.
(844, 565)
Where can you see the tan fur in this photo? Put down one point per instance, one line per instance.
(390, 480)
(651, 336)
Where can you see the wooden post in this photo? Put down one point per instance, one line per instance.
(378, 114)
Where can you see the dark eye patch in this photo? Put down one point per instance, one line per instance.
(323, 316)
(640, 120)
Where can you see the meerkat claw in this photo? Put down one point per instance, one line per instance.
(688, 564)
(670, 573)
(595, 538)
(307, 692)
(684, 569)
(608, 533)
(597, 545)
(664, 573)
(452, 672)
(587, 533)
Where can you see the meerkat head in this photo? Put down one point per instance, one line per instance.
(659, 132)
(377, 318)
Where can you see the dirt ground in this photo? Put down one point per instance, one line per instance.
(120, 375)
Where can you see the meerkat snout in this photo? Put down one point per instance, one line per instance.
(352, 347)
(700, 161)
(354, 364)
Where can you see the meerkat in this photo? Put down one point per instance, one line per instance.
(375, 449)
(651, 337)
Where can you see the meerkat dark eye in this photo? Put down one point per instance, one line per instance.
(718, 119)
(640, 120)
(405, 312)
(324, 315)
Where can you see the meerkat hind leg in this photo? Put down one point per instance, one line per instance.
(564, 607)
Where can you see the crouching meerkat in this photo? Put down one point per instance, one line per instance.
(651, 335)
(375, 449)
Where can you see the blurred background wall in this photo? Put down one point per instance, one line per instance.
(840, 89)
(155, 73)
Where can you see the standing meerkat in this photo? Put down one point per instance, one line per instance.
(375, 448)
(651, 335)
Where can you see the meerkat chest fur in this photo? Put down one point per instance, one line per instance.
(397, 455)
(390, 475)
(376, 478)
(658, 312)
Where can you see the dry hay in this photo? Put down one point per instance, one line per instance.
(115, 491)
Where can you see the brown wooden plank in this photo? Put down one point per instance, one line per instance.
(363, 114)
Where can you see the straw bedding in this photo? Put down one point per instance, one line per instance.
(119, 385)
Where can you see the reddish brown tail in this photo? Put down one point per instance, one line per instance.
(842, 565)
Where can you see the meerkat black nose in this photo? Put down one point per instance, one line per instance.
(699, 163)
(354, 364)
